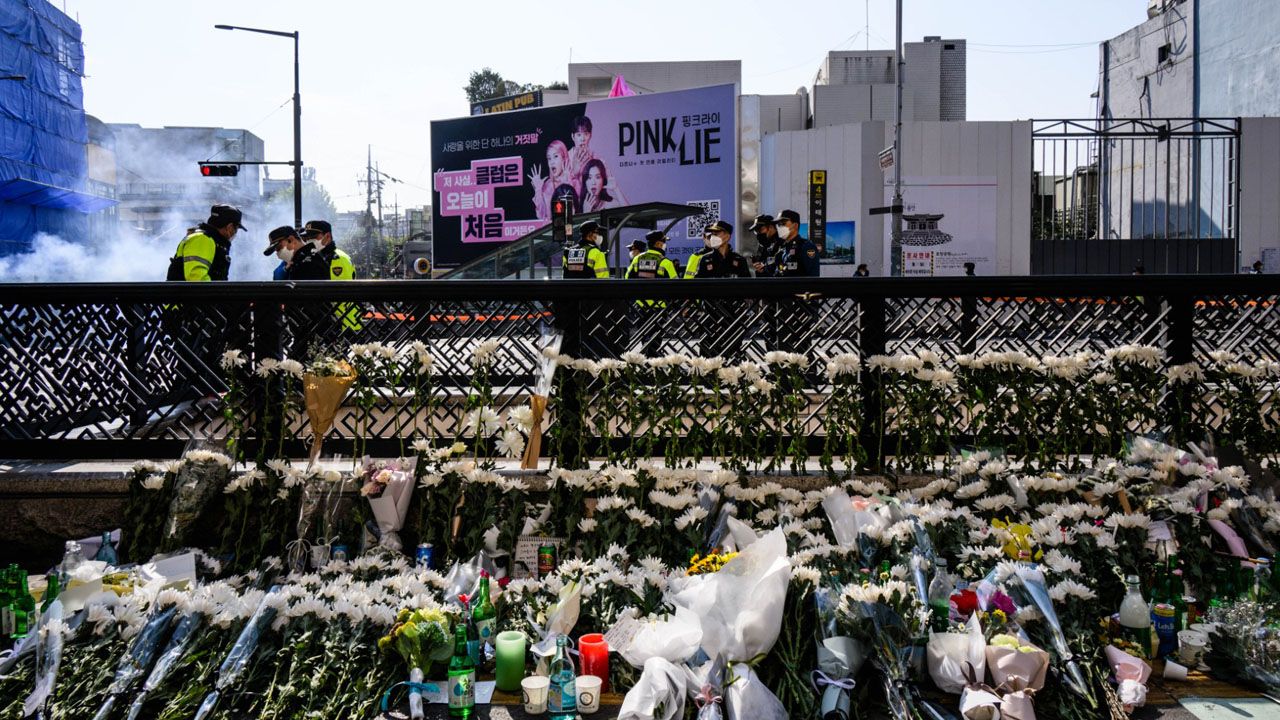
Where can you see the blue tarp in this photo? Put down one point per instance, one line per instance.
(43, 132)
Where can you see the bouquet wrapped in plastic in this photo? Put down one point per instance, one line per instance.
(202, 477)
(741, 631)
(387, 486)
(324, 387)
(952, 656)
(233, 666)
(181, 639)
(420, 637)
(561, 617)
(138, 658)
(48, 658)
(1131, 675)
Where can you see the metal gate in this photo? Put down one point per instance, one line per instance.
(1112, 195)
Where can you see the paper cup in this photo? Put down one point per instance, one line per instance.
(1191, 647)
(534, 689)
(589, 687)
(319, 556)
(1174, 671)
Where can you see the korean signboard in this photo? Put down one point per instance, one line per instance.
(494, 175)
(946, 222)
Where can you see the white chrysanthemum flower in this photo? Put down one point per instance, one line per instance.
(992, 503)
(612, 502)
(523, 417)
(153, 482)
(1134, 520)
(994, 467)
(290, 367)
(483, 352)
(266, 367)
(1071, 589)
(690, 516)
(1103, 378)
(761, 385)
(971, 490)
(483, 422)
(1105, 540)
(232, 359)
(511, 443)
(1219, 514)
(806, 574)
(208, 456)
(1062, 564)
(641, 517)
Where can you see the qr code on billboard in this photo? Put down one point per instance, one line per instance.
(696, 224)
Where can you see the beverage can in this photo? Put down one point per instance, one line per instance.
(340, 552)
(426, 555)
(1162, 616)
(546, 560)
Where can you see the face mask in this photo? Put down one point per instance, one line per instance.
(714, 242)
(284, 254)
(784, 232)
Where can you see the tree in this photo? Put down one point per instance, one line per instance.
(488, 84)
(316, 203)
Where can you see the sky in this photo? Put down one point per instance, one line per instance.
(376, 72)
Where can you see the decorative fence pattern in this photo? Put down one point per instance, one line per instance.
(131, 370)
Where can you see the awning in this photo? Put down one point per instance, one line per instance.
(30, 192)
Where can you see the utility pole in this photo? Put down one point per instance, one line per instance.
(368, 205)
(895, 246)
(382, 233)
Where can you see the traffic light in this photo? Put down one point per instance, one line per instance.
(219, 170)
(561, 210)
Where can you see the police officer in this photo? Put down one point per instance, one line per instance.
(319, 258)
(797, 256)
(691, 267)
(284, 242)
(205, 253)
(636, 247)
(767, 245)
(653, 262)
(721, 261)
(585, 259)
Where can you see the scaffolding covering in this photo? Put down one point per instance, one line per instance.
(42, 125)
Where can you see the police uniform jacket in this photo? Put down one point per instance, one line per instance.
(585, 260)
(201, 256)
(325, 263)
(715, 265)
(798, 258)
(652, 263)
(691, 268)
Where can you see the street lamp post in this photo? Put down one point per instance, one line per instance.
(297, 117)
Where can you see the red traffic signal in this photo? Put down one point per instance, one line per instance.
(219, 170)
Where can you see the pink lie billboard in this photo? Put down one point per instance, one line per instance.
(495, 175)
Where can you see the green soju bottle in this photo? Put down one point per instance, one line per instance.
(24, 608)
(483, 613)
(50, 592)
(6, 602)
(462, 676)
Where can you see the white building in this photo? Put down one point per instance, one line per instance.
(856, 86)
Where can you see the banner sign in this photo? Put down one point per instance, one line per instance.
(494, 175)
(946, 222)
(521, 101)
(818, 209)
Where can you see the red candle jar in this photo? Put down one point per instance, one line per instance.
(593, 652)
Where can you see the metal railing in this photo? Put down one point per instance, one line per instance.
(1110, 194)
(131, 370)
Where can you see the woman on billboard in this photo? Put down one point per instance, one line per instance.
(543, 187)
(599, 191)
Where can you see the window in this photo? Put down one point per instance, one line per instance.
(949, 46)
(1165, 53)
(594, 85)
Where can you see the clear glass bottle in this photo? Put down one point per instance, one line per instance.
(1135, 616)
(940, 596)
(563, 693)
(71, 559)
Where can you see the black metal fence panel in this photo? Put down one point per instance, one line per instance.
(134, 370)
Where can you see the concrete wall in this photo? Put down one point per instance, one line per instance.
(855, 183)
(841, 104)
(856, 86)
(1240, 58)
(1259, 188)
(587, 79)
(1134, 83)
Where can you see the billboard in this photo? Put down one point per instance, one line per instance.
(494, 175)
(519, 101)
(946, 222)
